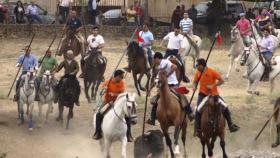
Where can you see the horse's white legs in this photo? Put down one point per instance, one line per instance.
(21, 113)
(107, 145)
(254, 86)
(40, 114)
(124, 143)
(49, 111)
(249, 87)
(230, 66)
(177, 150)
(30, 123)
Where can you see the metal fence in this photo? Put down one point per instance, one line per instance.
(112, 3)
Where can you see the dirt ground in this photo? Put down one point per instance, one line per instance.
(53, 141)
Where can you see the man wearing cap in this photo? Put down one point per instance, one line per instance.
(113, 87)
(245, 29)
(27, 61)
(208, 86)
(95, 43)
(186, 25)
(71, 67)
(47, 63)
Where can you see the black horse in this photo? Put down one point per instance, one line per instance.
(68, 93)
(94, 68)
(138, 64)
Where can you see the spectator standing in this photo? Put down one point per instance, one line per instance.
(139, 12)
(92, 11)
(192, 13)
(64, 7)
(19, 12)
(131, 16)
(250, 14)
(32, 13)
(176, 17)
(3, 13)
(183, 10)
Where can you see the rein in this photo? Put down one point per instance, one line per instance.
(127, 101)
(249, 65)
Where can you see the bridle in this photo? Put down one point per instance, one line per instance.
(133, 109)
(244, 57)
(48, 90)
(30, 81)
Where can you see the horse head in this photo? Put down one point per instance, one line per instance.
(234, 34)
(162, 78)
(30, 79)
(130, 108)
(46, 80)
(246, 56)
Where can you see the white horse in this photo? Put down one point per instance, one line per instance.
(27, 96)
(189, 49)
(114, 127)
(46, 94)
(255, 69)
(236, 49)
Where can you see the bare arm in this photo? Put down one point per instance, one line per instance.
(173, 69)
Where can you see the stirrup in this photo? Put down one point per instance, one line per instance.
(151, 122)
(97, 136)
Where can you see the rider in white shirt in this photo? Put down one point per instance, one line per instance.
(175, 48)
(95, 44)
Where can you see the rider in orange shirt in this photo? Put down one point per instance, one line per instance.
(113, 87)
(208, 84)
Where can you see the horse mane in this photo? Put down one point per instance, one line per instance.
(277, 105)
(139, 51)
(122, 95)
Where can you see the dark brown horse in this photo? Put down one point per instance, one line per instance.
(95, 66)
(137, 61)
(70, 42)
(212, 126)
(170, 113)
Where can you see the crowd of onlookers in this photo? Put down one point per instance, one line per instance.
(178, 14)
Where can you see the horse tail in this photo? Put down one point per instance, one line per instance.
(277, 108)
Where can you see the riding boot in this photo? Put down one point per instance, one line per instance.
(82, 75)
(98, 129)
(128, 68)
(128, 132)
(277, 142)
(77, 103)
(189, 112)
(183, 69)
(232, 126)
(152, 120)
(197, 129)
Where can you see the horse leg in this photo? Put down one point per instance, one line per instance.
(69, 116)
(176, 137)
(96, 89)
(135, 83)
(272, 84)
(21, 113)
(148, 80)
(48, 111)
(168, 140)
(203, 147)
(254, 85)
(30, 123)
(27, 110)
(87, 84)
(223, 144)
(124, 143)
(183, 136)
(40, 113)
(139, 82)
(107, 145)
(60, 111)
(249, 87)
(193, 57)
(210, 150)
(230, 66)
(93, 88)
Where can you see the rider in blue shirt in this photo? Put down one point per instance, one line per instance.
(27, 62)
(147, 43)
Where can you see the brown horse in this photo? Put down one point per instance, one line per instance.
(137, 62)
(212, 126)
(95, 66)
(70, 42)
(170, 113)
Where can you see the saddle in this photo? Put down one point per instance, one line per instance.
(179, 93)
(97, 57)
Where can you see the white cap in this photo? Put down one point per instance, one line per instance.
(242, 14)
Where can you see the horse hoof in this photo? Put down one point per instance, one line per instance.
(30, 129)
(58, 119)
(257, 93)
(177, 150)
(237, 70)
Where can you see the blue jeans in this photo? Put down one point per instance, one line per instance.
(267, 55)
(150, 55)
(35, 18)
(174, 52)
(19, 79)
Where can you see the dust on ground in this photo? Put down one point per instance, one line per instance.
(53, 141)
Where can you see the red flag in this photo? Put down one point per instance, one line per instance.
(219, 39)
(140, 39)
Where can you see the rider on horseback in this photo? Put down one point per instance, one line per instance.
(264, 21)
(208, 86)
(266, 47)
(175, 48)
(186, 25)
(48, 63)
(72, 28)
(113, 88)
(244, 27)
(95, 44)
(30, 61)
(71, 67)
(170, 68)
